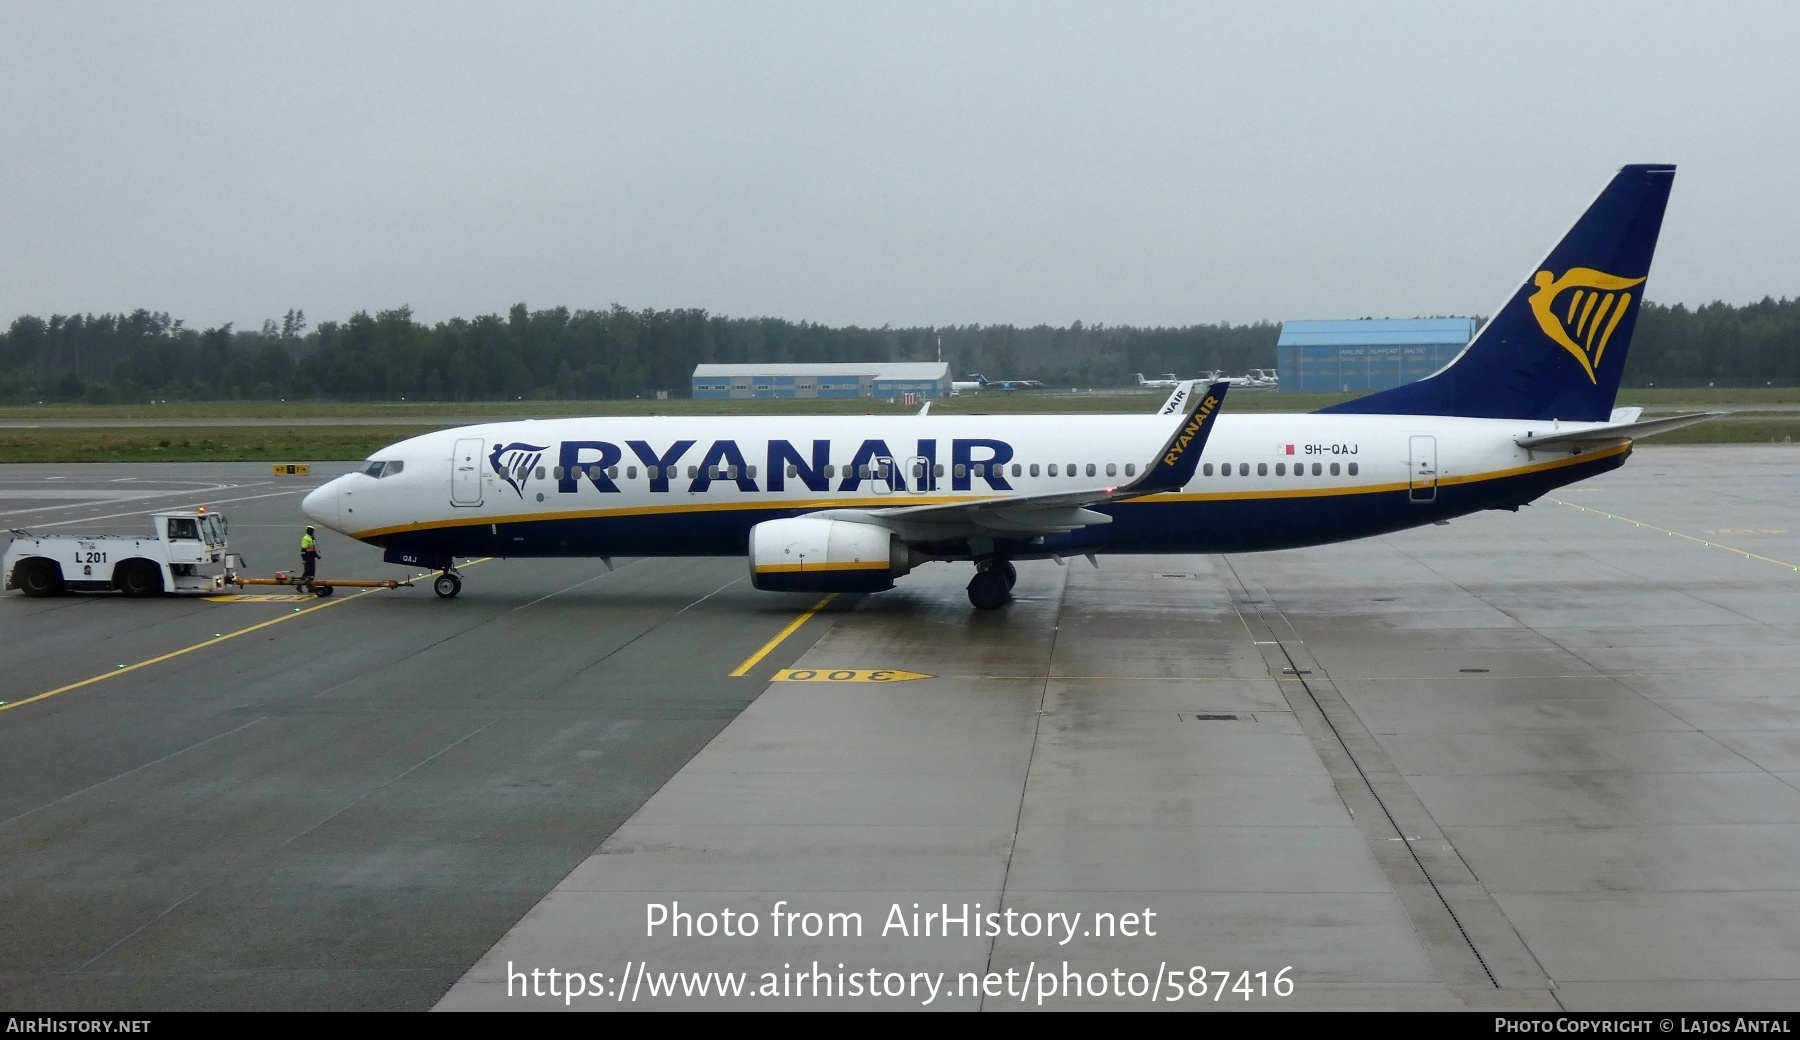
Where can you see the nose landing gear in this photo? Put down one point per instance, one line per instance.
(992, 584)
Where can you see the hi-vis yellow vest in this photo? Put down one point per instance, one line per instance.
(306, 543)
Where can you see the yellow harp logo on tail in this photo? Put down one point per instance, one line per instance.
(1580, 311)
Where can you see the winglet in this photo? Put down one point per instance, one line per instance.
(1178, 397)
(1174, 465)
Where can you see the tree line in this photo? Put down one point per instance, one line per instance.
(622, 353)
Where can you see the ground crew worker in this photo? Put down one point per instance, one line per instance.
(309, 553)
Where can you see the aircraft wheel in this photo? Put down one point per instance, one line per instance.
(447, 585)
(1008, 572)
(987, 590)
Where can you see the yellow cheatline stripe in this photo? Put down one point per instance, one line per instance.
(797, 568)
(793, 626)
(1677, 534)
(122, 669)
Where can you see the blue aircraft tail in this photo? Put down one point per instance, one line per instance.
(1557, 348)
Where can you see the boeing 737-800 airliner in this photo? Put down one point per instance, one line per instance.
(851, 503)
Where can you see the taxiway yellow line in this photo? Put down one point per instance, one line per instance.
(780, 637)
(203, 644)
(124, 668)
(1677, 534)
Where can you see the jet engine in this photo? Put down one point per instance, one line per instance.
(809, 554)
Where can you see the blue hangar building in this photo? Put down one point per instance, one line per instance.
(879, 379)
(1366, 353)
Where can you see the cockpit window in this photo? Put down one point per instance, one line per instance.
(379, 469)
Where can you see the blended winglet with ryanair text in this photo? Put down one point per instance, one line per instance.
(1556, 349)
(1174, 467)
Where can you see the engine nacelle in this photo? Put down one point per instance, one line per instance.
(808, 554)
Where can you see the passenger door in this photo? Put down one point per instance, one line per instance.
(918, 474)
(465, 473)
(1422, 479)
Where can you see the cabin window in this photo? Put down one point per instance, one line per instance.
(1090, 469)
(1224, 469)
(979, 469)
(1071, 469)
(863, 472)
(613, 472)
(652, 472)
(1131, 469)
(1262, 469)
(1018, 471)
(1112, 469)
(1281, 469)
(1206, 470)
(540, 473)
(1353, 469)
(1053, 469)
(693, 472)
(1243, 469)
(940, 469)
(960, 470)
(557, 473)
(1317, 469)
(1334, 469)
(1034, 469)
(751, 473)
(791, 471)
(630, 472)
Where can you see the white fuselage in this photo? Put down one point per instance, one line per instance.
(604, 485)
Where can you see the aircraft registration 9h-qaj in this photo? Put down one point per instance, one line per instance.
(849, 503)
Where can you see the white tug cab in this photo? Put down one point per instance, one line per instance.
(183, 553)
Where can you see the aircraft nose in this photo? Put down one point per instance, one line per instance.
(321, 504)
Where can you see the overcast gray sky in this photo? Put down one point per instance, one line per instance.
(896, 163)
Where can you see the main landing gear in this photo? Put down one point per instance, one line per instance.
(992, 584)
(448, 584)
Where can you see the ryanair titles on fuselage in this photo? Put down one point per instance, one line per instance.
(595, 462)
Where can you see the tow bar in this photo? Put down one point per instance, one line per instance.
(318, 586)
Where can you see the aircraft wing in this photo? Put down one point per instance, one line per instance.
(1597, 436)
(1056, 512)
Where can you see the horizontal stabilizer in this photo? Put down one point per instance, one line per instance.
(1594, 436)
